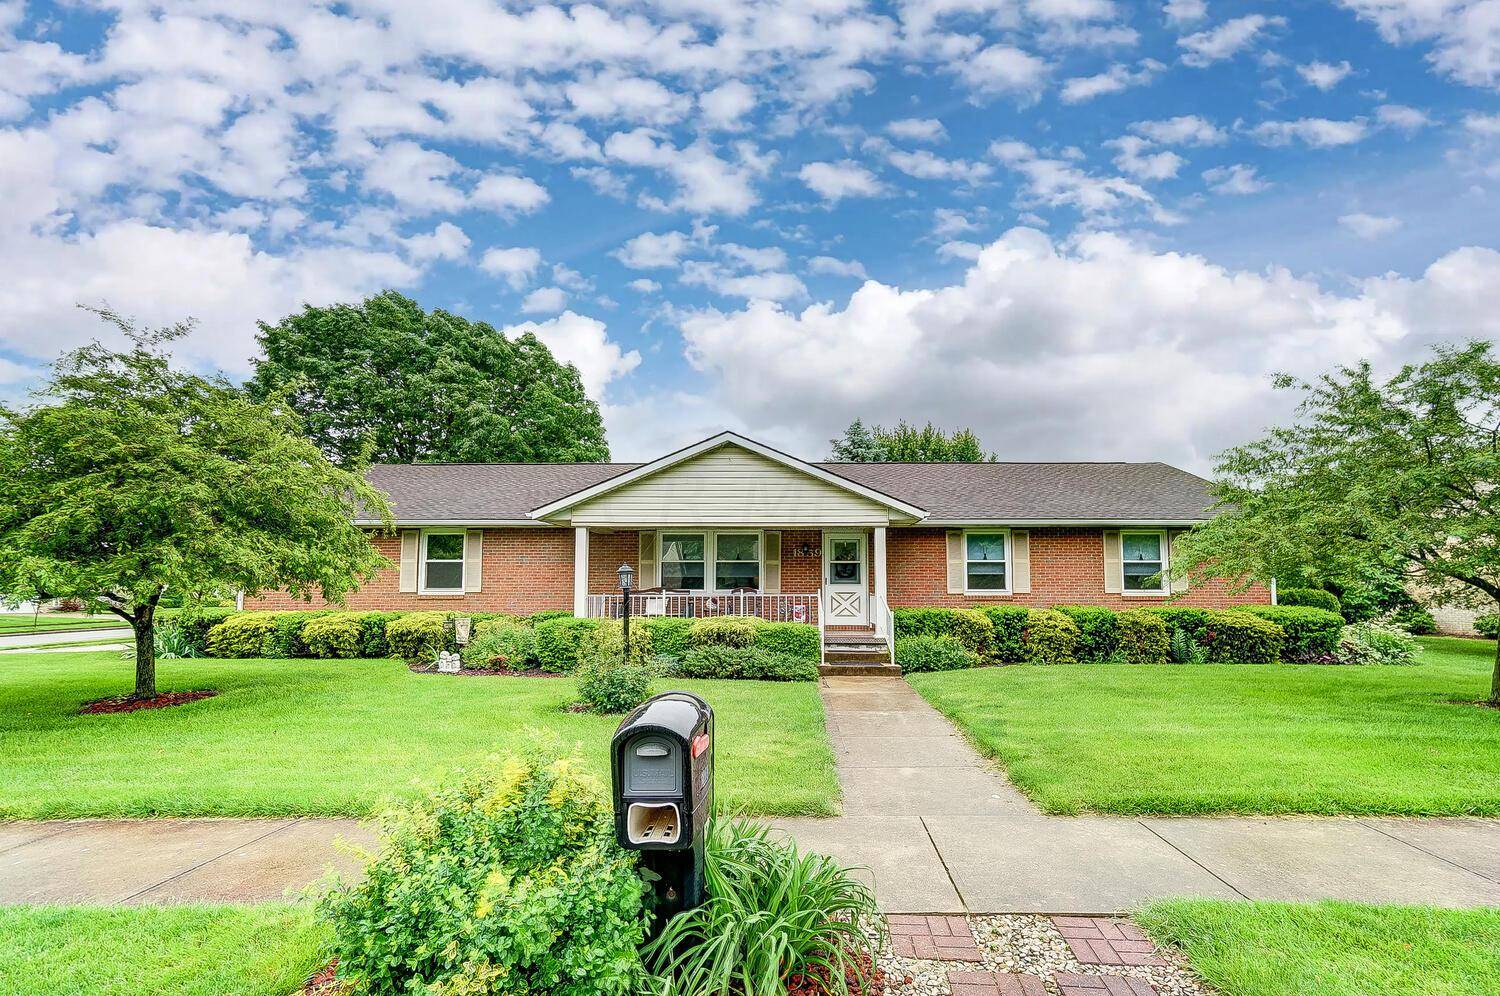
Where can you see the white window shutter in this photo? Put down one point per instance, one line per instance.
(1179, 585)
(646, 558)
(474, 560)
(1020, 555)
(771, 556)
(411, 539)
(1114, 568)
(955, 561)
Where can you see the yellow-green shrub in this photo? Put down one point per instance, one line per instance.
(1051, 638)
(418, 636)
(336, 635)
(245, 634)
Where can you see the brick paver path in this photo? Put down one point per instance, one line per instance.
(938, 938)
(995, 984)
(1073, 984)
(1097, 940)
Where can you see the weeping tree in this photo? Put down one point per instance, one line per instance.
(1374, 475)
(127, 478)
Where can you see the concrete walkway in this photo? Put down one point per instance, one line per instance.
(939, 828)
(50, 637)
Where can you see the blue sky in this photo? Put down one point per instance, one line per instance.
(1088, 229)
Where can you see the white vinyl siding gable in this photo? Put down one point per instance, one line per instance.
(729, 486)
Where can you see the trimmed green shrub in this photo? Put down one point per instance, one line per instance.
(970, 627)
(546, 614)
(557, 641)
(1376, 642)
(1315, 597)
(1488, 625)
(1141, 637)
(1098, 637)
(1192, 621)
(933, 653)
(418, 636)
(194, 622)
(669, 634)
(510, 647)
(1310, 633)
(1008, 639)
(1414, 619)
(508, 880)
(606, 681)
(1051, 638)
(244, 634)
(724, 631)
(372, 641)
(286, 640)
(793, 639)
(1236, 637)
(490, 621)
(755, 662)
(336, 635)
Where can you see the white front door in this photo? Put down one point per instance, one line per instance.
(845, 584)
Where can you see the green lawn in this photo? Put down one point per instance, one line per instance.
(1190, 739)
(1333, 949)
(165, 951)
(21, 623)
(334, 737)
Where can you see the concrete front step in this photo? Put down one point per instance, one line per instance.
(856, 656)
(868, 669)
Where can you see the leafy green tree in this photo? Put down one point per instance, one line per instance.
(906, 444)
(1403, 472)
(128, 479)
(386, 381)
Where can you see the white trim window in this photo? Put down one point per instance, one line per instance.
(737, 561)
(1143, 561)
(682, 561)
(987, 561)
(442, 562)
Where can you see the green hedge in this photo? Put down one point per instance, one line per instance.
(417, 637)
(247, 634)
(336, 635)
(669, 634)
(1193, 622)
(1141, 638)
(1008, 632)
(1315, 597)
(798, 640)
(558, 640)
(1309, 633)
(1238, 637)
(755, 662)
(194, 622)
(933, 653)
(970, 627)
(1051, 638)
(1098, 631)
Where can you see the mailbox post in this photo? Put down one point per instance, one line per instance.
(662, 769)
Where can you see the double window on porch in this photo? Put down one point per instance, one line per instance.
(730, 559)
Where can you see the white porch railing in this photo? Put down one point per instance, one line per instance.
(822, 631)
(885, 622)
(803, 608)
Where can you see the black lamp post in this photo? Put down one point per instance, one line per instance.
(627, 578)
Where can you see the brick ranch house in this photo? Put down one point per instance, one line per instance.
(732, 526)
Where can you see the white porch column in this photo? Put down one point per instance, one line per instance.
(878, 555)
(580, 571)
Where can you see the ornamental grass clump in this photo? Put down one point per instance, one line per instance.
(774, 914)
(508, 880)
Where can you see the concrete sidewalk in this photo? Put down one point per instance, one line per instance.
(54, 638)
(939, 828)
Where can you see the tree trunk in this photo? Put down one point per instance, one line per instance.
(1495, 679)
(145, 653)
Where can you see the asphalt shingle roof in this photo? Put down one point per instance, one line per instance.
(446, 492)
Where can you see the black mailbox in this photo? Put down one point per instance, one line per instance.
(662, 767)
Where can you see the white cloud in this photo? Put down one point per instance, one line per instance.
(725, 281)
(644, 285)
(1402, 118)
(1136, 158)
(515, 264)
(509, 195)
(446, 241)
(1058, 183)
(650, 251)
(1369, 226)
(1319, 133)
(583, 342)
(959, 249)
(1482, 124)
(1118, 77)
(1186, 129)
(1240, 178)
(917, 130)
(759, 258)
(1324, 75)
(1465, 33)
(1004, 69)
(835, 181)
(706, 184)
(724, 106)
(837, 267)
(924, 165)
(1227, 40)
(417, 178)
(545, 300)
(947, 222)
(1184, 12)
(1045, 349)
(612, 97)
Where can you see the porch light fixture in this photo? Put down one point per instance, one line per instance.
(627, 577)
(627, 581)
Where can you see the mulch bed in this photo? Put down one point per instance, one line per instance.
(325, 982)
(486, 672)
(863, 979)
(129, 703)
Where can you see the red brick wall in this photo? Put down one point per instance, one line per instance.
(525, 570)
(1067, 568)
(607, 551)
(801, 575)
